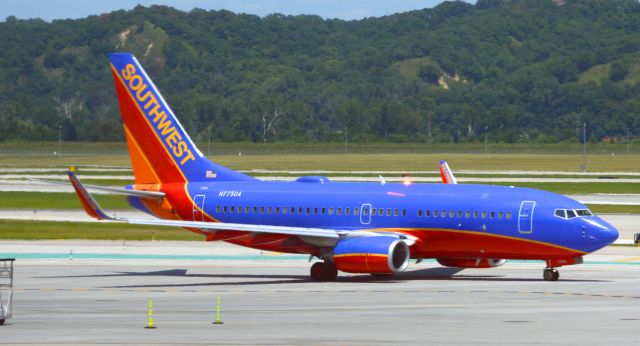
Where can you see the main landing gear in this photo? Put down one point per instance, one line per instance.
(550, 274)
(324, 271)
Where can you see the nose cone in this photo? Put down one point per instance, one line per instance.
(602, 232)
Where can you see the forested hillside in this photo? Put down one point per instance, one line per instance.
(525, 71)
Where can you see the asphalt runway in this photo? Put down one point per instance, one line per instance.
(274, 303)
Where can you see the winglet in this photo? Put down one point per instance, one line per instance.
(88, 202)
(446, 174)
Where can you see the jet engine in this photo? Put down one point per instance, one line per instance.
(374, 255)
(471, 262)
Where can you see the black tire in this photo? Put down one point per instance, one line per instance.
(550, 275)
(331, 271)
(323, 271)
(317, 272)
(2, 321)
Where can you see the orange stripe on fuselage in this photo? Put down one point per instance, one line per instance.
(441, 243)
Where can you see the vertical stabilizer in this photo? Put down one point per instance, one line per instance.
(160, 149)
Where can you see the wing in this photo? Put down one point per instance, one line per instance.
(446, 174)
(322, 237)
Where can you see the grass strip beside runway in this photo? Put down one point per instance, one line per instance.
(40, 230)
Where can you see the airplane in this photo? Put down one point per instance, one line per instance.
(354, 227)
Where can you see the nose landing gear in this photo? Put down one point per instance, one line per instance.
(551, 274)
(324, 271)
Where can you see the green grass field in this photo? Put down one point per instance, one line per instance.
(38, 230)
(333, 156)
(55, 200)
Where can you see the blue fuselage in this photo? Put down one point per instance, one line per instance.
(497, 214)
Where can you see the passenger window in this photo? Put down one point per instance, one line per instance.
(277, 210)
(261, 210)
(347, 210)
(308, 211)
(508, 215)
(381, 211)
(217, 209)
(224, 209)
(285, 210)
(255, 210)
(330, 211)
(427, 212)
(365, 211)
(475, 214)
(404, 212)
(459, 214)
(339, 211)
(247, 210)
(269, 210)
(395, 212)
(500, 215)
(389, 212)
(315, 211)
(492, 214)
(232, 209)
(484, 214)
(293, 210)
(419, 212)
(452, 214)
(299, 210)
(435, 213)
(467, 214)
(373, 211)
(443, 213)
(323, 210)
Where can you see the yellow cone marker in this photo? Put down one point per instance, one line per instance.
(150, 321)
(218, 320)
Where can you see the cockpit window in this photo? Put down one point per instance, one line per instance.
(583, 212)
(570, 213)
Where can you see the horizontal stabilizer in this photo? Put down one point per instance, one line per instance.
(88, 202)
(110, 189)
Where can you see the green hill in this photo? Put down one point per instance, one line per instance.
(527, 71)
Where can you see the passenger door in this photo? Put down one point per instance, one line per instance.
(525, 217)
(198, 207)
(365, 214)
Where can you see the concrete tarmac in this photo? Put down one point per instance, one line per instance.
(274, 303)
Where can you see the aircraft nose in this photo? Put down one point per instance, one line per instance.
(604, 232)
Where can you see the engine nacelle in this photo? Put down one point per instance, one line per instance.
(379, 254)
(471, 262)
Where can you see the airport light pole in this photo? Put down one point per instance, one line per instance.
(346, 140)
(209, 141)
(486, 139)
(60, 139)
(584, 147)
(628, 141)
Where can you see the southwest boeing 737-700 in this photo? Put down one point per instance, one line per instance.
(373, 228)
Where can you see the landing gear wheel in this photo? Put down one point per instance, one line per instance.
(323, 271)
(1, 321)
(551, 274)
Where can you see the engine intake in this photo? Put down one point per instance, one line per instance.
(471, 262)
(379, 254)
